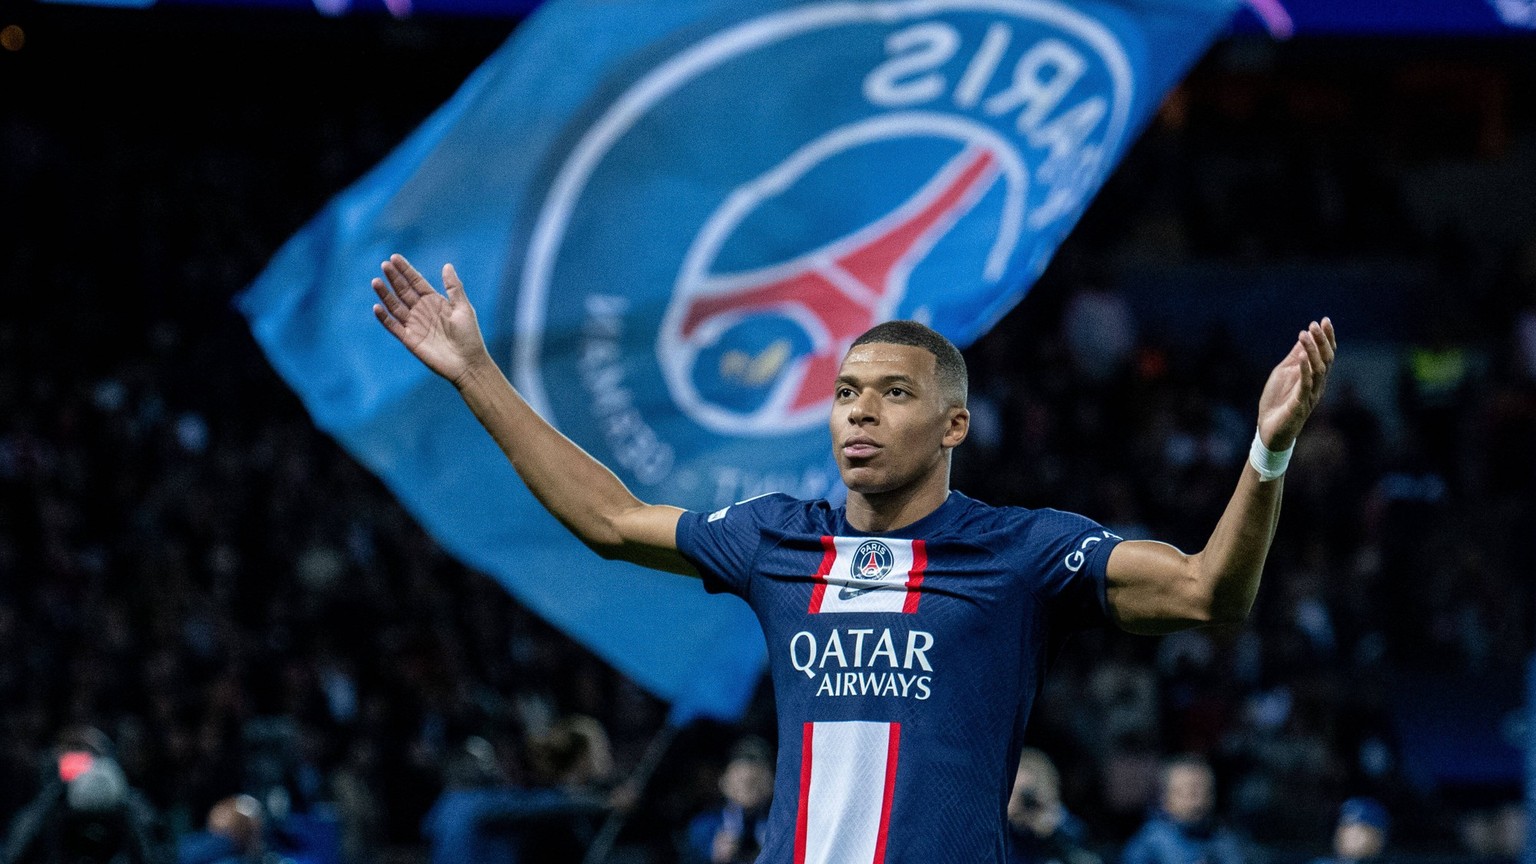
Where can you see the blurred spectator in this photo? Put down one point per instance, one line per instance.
(733, 832)
(482, 817)
(358, 808)
(236, 833)
(1041, 828)
(86, 812)
(574, 755)
(1496, 834)
(1361, 832)
(475, 788)
(1183, 827)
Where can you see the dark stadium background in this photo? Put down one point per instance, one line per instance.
(188, 564)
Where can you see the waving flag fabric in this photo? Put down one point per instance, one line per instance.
(672, 218)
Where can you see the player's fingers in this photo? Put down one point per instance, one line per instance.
(1314, 359)
(413, 276)
(389, 322)
(1306, 372)
(388, 298)
(1324, 347)
(453, 286)
(1333, 338)
(399, 282)
(401, 263)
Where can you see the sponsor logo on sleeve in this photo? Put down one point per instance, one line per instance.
(1079, 556)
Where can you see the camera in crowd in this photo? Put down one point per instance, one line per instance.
(86, 812)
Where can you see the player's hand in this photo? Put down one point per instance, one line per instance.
(1296, 385)
(439, 328)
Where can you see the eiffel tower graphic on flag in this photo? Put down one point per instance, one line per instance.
(843, 288)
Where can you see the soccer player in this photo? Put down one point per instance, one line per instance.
(907, 630)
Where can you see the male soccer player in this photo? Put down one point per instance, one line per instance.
(907, 630)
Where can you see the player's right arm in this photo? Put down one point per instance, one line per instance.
(442, 331)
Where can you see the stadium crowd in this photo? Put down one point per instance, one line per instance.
(189, 566)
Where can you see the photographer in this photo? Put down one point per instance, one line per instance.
(1041, 829)
(86, 813)
(732, 832)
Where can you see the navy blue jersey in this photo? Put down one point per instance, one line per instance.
(904, 664)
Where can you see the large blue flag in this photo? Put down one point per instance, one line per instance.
(672, 217)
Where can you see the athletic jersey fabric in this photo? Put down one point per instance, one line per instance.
(904, 664)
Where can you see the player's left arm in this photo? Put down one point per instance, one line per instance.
(1153, 587)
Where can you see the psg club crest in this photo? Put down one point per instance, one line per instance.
(754, 196)
(872, 562)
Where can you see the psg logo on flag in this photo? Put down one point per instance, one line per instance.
(760, 194)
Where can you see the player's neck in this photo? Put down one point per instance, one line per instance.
(878, 512)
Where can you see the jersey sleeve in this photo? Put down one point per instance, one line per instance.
(1073, 584)
(723, 544)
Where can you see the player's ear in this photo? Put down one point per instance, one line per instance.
(958, 427)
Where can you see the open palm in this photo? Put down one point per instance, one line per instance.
(1296, 385)
(439, 328)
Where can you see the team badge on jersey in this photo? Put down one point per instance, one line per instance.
(871, 561)
(869, 575)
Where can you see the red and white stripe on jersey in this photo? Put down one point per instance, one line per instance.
(847, 777)
(838, 590)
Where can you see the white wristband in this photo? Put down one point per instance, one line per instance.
(1269, 463)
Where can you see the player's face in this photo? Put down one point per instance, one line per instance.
(891, 424)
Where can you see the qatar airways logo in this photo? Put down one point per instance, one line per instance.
(854, 661)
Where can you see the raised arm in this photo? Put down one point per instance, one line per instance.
(442, 331)
(1155, 588)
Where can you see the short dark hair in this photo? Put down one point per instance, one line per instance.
(950, 367)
